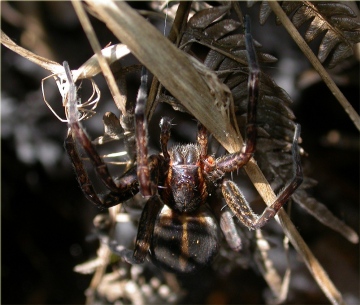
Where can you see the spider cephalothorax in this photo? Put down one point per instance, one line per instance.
(185, 188)
(179, 224)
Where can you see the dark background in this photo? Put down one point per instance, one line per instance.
(46, 219)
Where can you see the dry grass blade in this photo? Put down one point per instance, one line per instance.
(47, 64)
(322, 214)
(89, 69)
(162, 59)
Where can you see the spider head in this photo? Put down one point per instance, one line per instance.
(186, 189)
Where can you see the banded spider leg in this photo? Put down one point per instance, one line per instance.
(231, 192)
(119, 190)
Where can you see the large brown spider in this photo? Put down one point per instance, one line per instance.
(179, 224)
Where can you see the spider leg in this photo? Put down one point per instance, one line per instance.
(233, 161)
(82, 138)
(148, 174)
(82, 176)
(226, 220)
(145, 232)
(165, 126)
(141, 137)
(202, 139)
(126, 185)
(120, 191)
(240, 207)
(147, 220)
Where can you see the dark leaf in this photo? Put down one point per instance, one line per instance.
(335, 18)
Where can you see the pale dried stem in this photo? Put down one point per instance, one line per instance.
(43, 62)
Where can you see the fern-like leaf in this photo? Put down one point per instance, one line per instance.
(336, 19)
(227, 57)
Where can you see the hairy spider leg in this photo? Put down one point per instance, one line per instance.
(233, 161)
(224, 216)
(124, 188)
(239, 205)
(165, 126)
(202, 139)
(127, 185)
(232, 194)
(226, 221)
(141, 137)
(80, 135)
(148, 176)
(81, 174)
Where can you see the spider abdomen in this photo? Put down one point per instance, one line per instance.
(184, 243)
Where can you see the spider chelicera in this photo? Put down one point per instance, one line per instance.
(179, 224)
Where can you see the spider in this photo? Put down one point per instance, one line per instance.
(182, 186)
